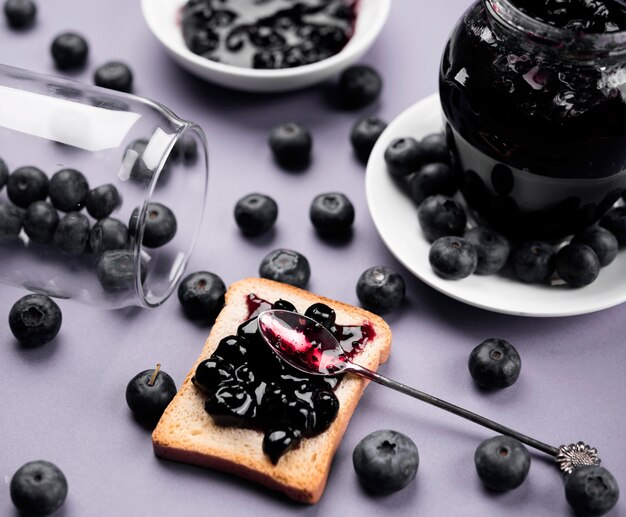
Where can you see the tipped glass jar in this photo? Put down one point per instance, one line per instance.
(536, 117)
(104, 192)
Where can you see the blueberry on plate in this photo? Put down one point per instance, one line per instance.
(358, 86)
(364, 135)
(68, 189)
(502, 463)
(332, 214)
(255, 214)
(441, 216)
(277, 442)
(287, 266)
(11, 219)
(20, 13)
(108, 234)
(69, 50)
(601, 241)
(453, 258)
(577, 264)
(432, 179)
(27, 185)
(385, 461)
(492, 249)
(160, 225)
(533, 262)
(321, 313)
(291, 145)
(116, 270)
(4, 173)
(35, 320)
(115, 76)
(591, 490)
(403, 156)
(41, 221)
(495, 364)
(148, 394)
(72, 233)
(101, 201)
(615, 222)
(435, 149)
(380, 289)
(201, 295)
(38, 488)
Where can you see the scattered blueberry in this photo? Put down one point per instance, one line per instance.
(380, 289)
(160, 226)
(435, 149)
(255, 214)
(20, 13)
(332, 214)
(69, 50)
(321, 313)
(358, 86)
(115, 76)
(27, 185)
(41, 221)
(403, 156)
(441, 216)
(385, 461)
(201, 295)
(364, 135)
(432, 179)
(502, 463)
(68, 190)
(291, 145)
(453, 258)
(187, 147)
(615, 222)
(11, 219)
(591, 490)
(101, 201)
(533, 262)
(116, 270)
(278, 442)
(35, 320)
(38, 488)
(147, 394)
(601, 241)
(72, 233)
(492, 249)
(108, 234)
(4, 173)
(495, 364)
(577, 264)
(287, 266)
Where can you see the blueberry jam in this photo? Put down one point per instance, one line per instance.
(247, 385)
(267, 34)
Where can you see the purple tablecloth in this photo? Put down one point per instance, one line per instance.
(65, 402)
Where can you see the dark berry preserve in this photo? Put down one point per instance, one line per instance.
(267, 34)
(534, 95)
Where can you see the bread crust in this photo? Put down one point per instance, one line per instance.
(186, 433)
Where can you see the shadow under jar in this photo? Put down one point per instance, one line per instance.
(142, 161)
(536, 120)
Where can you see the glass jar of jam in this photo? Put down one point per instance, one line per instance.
(534, 99)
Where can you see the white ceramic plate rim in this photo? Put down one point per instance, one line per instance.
(395, 218)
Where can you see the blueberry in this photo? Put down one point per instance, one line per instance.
(187, 147)
(441, 216)
(4, 173)
(291, 145)
(332, 214)
(577, 264)
(11, 219)
(277, 442)
(231, 404)
(326, 406)
(38, 488)
(601, 241)
(615, 222)
(403, 156)
(108, 234)
(284, 305)
(321, 313)
(591, 490)
(69, 50)
(147, 394)
(35, 320)
(20, 13)
(255, 214)
(495, 364)
(385, 461)
(27, 185)
(68, 190)
(533, 262)
(212, 372)
(502, 463)
(432, 179)
(72, 233)
(380, 289)
(453, 258)
(287, 266)
(41, 221)
(201, 295)
(364, 135)
(358, 86)
(116, 270)
(139, 171)
(160, 226)
(492, 249)
(101, 201)
(232, 349)
(115, 76)
(435, 149)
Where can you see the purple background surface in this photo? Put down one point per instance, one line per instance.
(65, 402)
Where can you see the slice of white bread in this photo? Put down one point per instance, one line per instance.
(186, 433)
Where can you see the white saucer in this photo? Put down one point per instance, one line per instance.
(395, 217)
